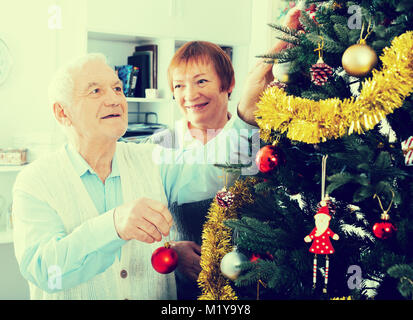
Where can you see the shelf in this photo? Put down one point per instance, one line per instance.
(4, 168)
(6, 236)
(120, 36)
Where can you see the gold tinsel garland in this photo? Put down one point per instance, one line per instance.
(216, 242)
(312, 121)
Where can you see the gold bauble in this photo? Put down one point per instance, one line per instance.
(359, 59)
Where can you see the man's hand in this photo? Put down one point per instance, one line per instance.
(189, 254)
(143, 219)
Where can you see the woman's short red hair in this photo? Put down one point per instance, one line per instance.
(204, 52)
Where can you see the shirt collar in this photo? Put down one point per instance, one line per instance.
(81, 166)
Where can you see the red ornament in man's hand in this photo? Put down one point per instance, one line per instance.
(268, 158)
(164, 259)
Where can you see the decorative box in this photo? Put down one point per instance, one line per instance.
(13, 157)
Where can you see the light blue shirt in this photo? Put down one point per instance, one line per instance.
(78, 258)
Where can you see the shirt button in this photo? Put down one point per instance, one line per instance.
(123, 274)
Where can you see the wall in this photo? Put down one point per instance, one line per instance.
(23, 104)
(26, 120)
(23, 26)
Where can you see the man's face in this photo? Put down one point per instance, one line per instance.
(197, 90)
(99, 109)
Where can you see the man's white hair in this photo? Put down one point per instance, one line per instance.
(62, 85)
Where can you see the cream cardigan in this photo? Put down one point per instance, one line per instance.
(52, 178)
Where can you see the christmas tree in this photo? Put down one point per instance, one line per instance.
(336, 130)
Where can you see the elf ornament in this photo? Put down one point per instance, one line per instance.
(164, 259)
(321, 234)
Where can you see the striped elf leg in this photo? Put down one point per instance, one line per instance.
(314, 271)
(326, 274)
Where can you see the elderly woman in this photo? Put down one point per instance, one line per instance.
(201, 77)
(88, 216)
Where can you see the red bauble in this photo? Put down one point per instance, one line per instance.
(269, 157)
(164, 259)
(384, 229)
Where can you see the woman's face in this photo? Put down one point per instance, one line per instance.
(197, 90)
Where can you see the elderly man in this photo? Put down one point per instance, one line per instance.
(88, 216)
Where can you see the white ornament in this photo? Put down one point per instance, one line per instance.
(230, 264)
(280, 71)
